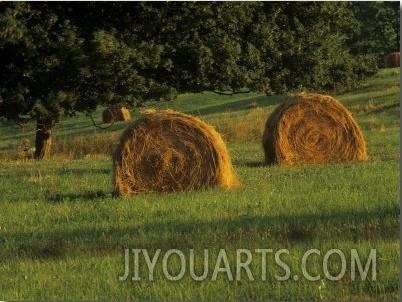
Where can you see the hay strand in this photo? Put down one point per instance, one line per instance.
(115, 113)
(165, 151)
(392, 60)
(312, 129)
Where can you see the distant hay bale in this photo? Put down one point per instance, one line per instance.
(165, 151)
(392, 60)
(312, 129)
(114, 114)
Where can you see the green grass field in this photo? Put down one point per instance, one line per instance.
(63, 235)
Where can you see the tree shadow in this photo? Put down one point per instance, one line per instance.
(174, 234)
(80, 172)
(258, 101)
(89, 195)
(254, 164)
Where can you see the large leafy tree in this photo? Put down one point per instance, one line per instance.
(378, 28)
(40, 59)
(62, 58)
(51, 65)
(307, 48)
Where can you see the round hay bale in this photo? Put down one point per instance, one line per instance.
(312, 129)
(114, 114)
(392, 60)
(165, 151)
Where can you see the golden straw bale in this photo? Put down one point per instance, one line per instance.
(114, 114)
(169, 151)
(392, 60)
(312, 129)
(124, 114)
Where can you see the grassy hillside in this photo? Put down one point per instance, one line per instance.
(64, 236)
(240, 117)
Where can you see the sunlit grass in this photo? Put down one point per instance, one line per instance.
(63, 234)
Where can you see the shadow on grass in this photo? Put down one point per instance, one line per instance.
(253, 164)
(241, 231)
(89, 195)
(80, 172)
(258, 101)
(32, 171)
(63, 133)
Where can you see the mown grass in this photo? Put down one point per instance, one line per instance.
(238, 118)
(63, 234)
(56, 235)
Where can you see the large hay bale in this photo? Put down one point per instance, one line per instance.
(169, 151)
(312, 129)
(392, 60)
(114, 114)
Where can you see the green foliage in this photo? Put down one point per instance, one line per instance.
(40, 62)
(71, 57)
(309, 51)
(63, 58)
(378, 29)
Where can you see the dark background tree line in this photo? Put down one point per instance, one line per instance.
(67, 57)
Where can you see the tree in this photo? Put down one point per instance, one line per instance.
(39, 55)
(205, 43)
(50, 66)
(308, 50)
(377, 32)
(62, 58)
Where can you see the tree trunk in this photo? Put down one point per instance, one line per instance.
(43, 140)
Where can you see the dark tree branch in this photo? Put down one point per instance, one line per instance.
(231, 92)
(97, 125)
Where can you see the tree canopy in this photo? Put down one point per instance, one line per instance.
(65, 57)
(378, 31)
